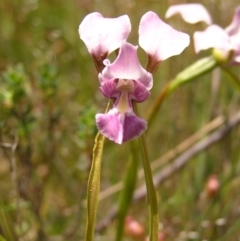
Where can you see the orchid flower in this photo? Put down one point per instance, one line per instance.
(226, 41)
(125, 80)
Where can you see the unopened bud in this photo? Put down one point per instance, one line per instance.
(134, 229)
(212, 186)
(222, 56)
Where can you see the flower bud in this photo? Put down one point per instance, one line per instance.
(222, 56)
(134, 229)
(212, 186)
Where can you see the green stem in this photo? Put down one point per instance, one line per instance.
(234, 80)
(151, 192)
(195, 70)
(6, 224)
(128, 189)
(94, 185)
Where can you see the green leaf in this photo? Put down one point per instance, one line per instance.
(94, 185)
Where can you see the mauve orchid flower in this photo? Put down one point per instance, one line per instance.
(224, 41)
(125, 80)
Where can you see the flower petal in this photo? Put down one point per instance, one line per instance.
(109, 89)
(133, 126)
(236, 58)
(159, 39)
(212, 37)
(126, 66)
(120, 127)
(234, 27)
(104, 35)
(233, 31)
(110, 125)
(140, 93)
(191, 13)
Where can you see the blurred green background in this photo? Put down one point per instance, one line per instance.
(49, 96)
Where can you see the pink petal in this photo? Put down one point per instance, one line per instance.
(104, 35)
(126, 66)
(236, 58)
(140, 93)
(234, 27)
(233, 31)
(191, 13)
(133, 126)
(159, 39)
(236, 51)
(109, 89)
(213, 37)
(120, 127)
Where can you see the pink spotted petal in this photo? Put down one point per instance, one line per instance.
(191, 13)
(159, 39)
(104, 35)
(213, 37)
(120, 127)
(126, 66)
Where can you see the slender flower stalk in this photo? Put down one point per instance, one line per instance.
(199, 68)
(151, 192)
(128, 188)
(234, 80)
